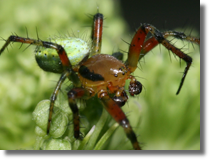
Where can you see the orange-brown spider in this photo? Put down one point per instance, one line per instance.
(101, 74)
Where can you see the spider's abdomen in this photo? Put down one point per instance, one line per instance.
(101, 70)
(48, 59)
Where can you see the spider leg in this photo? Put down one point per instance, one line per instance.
(60, 50)
(54, 97)
(74, 94)
(119, 116)
(138, 48)
(135, 48)
(152, 42)
(181, 36)
(97, 33)
(68, 71)
(120, 97)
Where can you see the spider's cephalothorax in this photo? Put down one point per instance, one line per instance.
(100, 74)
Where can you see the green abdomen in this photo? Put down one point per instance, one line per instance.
(48, 59)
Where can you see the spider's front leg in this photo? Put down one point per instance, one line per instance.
(153, 42)
(60, 50)
(139, 48)
(67, 67)
(119, 116)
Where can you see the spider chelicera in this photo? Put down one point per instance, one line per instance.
(98, 74)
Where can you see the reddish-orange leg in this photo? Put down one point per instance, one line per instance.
(96, 36)
(67, 67)
(152, 42)
(158, 38)
(76, 93)
(116, 112)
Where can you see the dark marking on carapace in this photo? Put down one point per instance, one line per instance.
(86, 73)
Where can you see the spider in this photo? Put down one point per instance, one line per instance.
(98, 74)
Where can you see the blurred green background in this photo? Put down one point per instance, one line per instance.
(162, 120)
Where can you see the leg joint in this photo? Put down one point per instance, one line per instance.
(71, 94)
(188, 59)
(125, 123)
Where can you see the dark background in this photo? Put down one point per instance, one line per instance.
(163, 14)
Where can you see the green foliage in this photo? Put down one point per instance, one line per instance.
(61, 131)
(160, 118)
